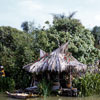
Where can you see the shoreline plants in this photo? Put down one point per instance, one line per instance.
(88, 85)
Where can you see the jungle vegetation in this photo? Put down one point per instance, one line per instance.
(18, 48)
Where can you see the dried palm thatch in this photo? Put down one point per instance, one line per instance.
(59, 60)
(42, 53)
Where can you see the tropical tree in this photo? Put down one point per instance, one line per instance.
(65, 29)
(25, 26)
(96, 33)
(28, 26)
(16, 50)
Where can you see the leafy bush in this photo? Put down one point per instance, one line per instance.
(6, 83)
(16, 50)
(88, 84)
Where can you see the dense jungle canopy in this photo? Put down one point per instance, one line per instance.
(18, 48)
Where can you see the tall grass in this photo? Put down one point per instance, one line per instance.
(45, 88)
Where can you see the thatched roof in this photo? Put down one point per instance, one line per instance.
(42, 53)
(59, 60)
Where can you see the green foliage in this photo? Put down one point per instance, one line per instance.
(88, 84)
(6, 83)
(66, 29)
(45, 88)
(96, 33)
(81, 40)
(27, 26)
(16, 50)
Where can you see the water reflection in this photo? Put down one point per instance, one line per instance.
(5, 97)
(68, 98)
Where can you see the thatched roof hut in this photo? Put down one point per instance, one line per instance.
(59, 60)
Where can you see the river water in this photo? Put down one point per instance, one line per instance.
(5, 97)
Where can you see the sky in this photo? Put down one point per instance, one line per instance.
(14, 12)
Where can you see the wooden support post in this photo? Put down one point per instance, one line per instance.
(48, 76)
(32, 82)
(70, 79)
